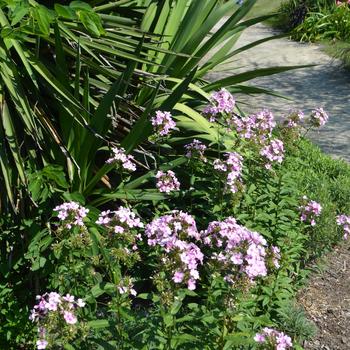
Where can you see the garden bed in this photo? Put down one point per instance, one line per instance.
(143, 209)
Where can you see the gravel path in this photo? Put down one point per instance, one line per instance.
(326, 85)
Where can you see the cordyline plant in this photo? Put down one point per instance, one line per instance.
(77, 77)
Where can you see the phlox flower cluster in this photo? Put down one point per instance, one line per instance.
(257, 127)
(50, 303)
(125, 161)
(126, 287)
(196, 149)
(318, 117)
(278, 340)
(309, 211)
(163, 123)
(167, 181)
(294, 119)
(221, 102)
(173, 233)
(342, 2)
(71, 214)
(238, 250)
(344, 221)
(121, 222)
(273, 152)
(166, 230)
(232, 168)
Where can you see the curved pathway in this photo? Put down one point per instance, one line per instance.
(325, 85)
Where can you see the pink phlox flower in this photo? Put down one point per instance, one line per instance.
(344, 221)
(170, 229)
(81, 303)
(122, 159)
(120, 221)
(273, 152)
(279, 339)
(69, 317)
(191, 284)
(232, 168)
(41, 344)
(69, 298)
(173, 232)
(178, 276)
(55, 303)
(276, 256)
(257, 127)
(318, 117)
(126, 286)
(163, 123)
(238, 249)
(221, 102)
(294, 119)
(196, 148)
(260, 338)
(167, 181)
(71, 213)
(309, 211)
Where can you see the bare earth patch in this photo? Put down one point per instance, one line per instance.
(326, 300)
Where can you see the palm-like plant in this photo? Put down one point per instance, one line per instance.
(68, 72)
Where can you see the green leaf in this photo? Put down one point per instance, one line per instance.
(242, 77)
(43, 18)
(143, 128)
(69, 347)
(102, 288)
(168, 320)
(179, 339)
(99, 324)
(19, 12)
(80, 5)
(56, 174)
(38, 263)
(91, 22)
(175, 308)
(65, 12)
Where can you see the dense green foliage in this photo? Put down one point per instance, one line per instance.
(80, 78)
(315, 20)
(318, 21)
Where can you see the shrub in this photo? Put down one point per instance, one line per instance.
(220, 255)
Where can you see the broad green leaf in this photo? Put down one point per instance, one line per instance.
(18, 14)
(80, 5)
(65, 12)
(43, 18)
(91, 22)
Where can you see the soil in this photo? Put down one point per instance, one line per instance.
(326, 300)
